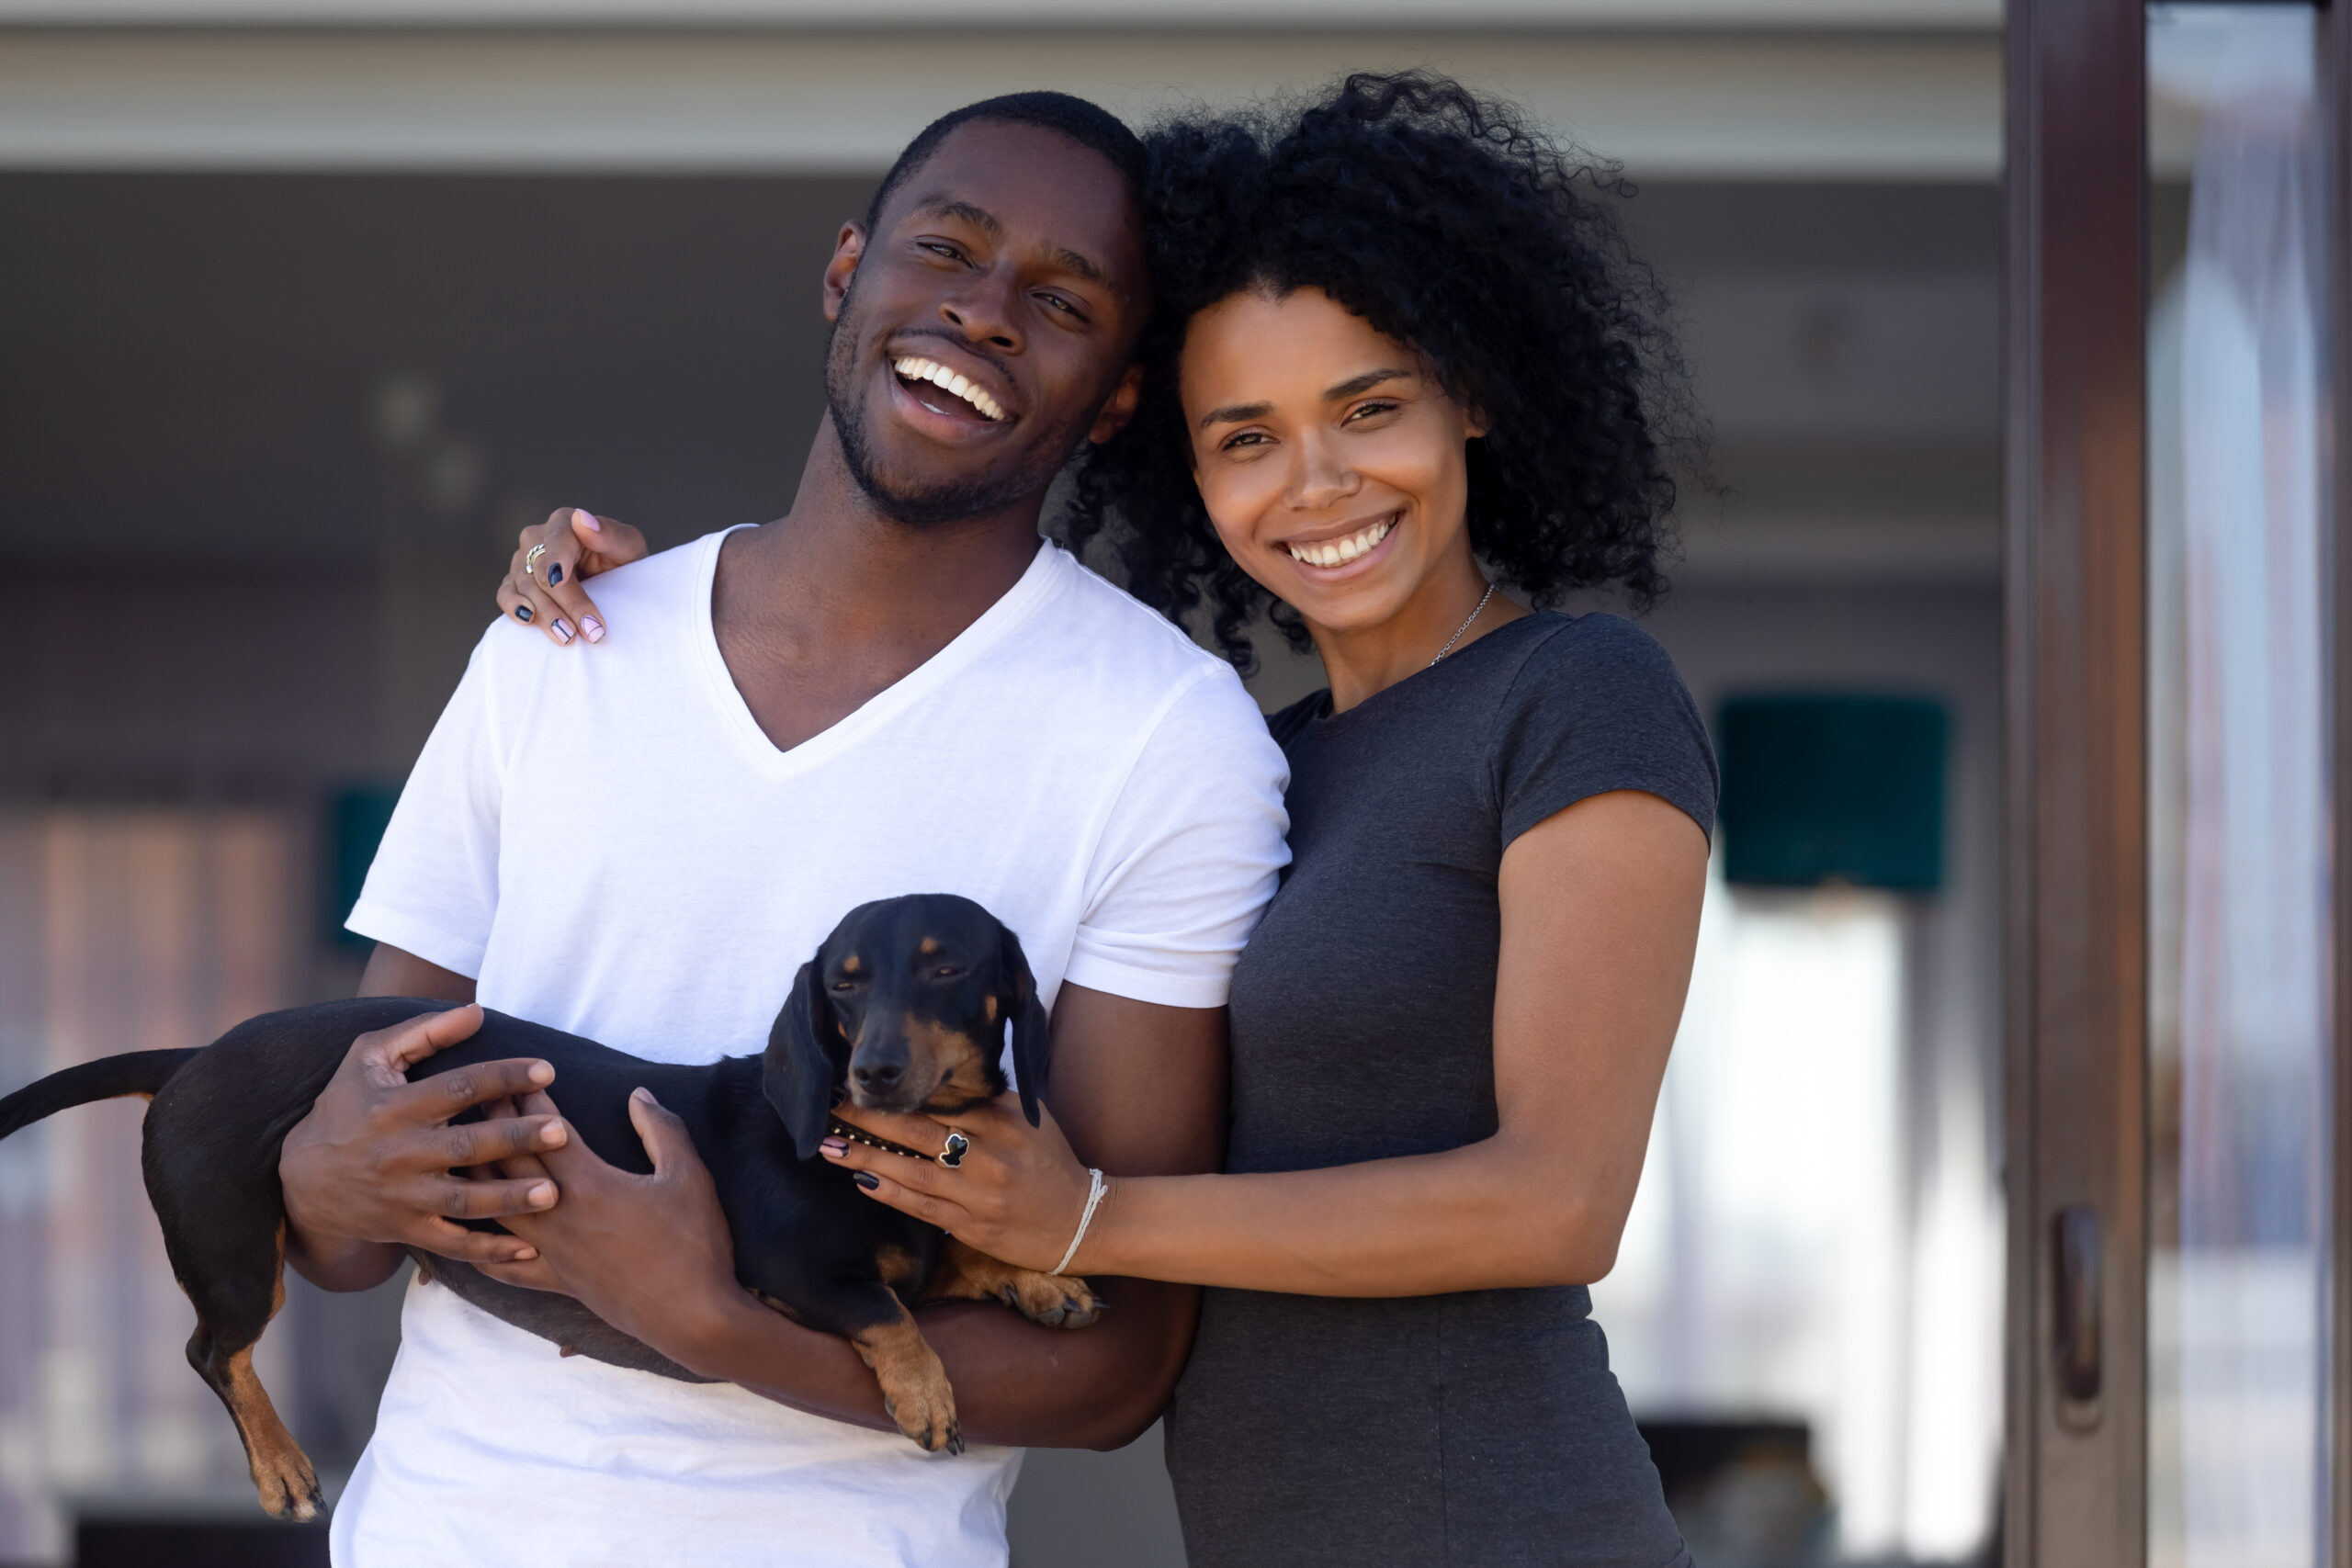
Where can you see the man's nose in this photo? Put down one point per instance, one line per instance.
(985, 311)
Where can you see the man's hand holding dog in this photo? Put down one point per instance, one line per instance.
(375, 1166)
(651, 1254)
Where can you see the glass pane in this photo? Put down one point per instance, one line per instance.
(2239, 630)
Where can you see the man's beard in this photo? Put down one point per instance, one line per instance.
(919, 505)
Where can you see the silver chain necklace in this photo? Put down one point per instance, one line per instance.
(1464, 627)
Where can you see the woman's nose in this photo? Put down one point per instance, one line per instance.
(1318, 478)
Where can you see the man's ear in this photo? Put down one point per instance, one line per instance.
(1032, 1031)
(848, 247)
(1121, 407)
(807, 1059)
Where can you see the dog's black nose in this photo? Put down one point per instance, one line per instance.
(879, 1078)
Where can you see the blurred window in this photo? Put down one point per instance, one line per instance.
(121, 930)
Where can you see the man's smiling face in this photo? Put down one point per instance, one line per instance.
(984, 327)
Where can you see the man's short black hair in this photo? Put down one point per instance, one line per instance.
(1089, 125)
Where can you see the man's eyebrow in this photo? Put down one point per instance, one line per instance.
(1087, 267)
(1077, 263)
(980, 218)
(1242, 413)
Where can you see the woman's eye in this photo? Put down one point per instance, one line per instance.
(1367, 410)
(1244, 438)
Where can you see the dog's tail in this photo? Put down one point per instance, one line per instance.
(140, 1072)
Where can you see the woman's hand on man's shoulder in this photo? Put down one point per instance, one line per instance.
(542, 586)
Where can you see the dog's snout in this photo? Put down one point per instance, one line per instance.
(880, 1075)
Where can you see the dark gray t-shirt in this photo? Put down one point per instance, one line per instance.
(1481, 1428)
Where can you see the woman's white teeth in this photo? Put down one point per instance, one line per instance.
(938, 374)
(1338, 552)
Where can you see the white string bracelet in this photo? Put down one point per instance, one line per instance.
(1095, 1189)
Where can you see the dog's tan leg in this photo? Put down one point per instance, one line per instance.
(1056, 1301)
(229, 1316)
(282, 1473)
(914, 1386)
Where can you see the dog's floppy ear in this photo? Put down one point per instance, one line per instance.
(807, 1058)
(1032, 1035)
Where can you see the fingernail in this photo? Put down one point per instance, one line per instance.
(524, 1255)
(592, 628)
(541, 1073)
(522, 613)
(562, 630)
(555, 1135)
(541, 1194)
(555, 572)
(835, 1146)
(867, 1179)
(643, 1093)
(587, 520)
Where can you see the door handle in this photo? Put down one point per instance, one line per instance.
(2075, 1247)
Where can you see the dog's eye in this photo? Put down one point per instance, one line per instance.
(845, 984)
(950, 972)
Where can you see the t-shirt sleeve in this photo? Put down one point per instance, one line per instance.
(1191, 851)
(1598, 706)
(433, 887)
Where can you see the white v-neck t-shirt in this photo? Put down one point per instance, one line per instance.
(607, 842)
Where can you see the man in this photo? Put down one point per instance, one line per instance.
(895, 688)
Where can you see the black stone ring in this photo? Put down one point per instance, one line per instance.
(952, 1156)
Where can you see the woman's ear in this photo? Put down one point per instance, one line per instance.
(1032, 1030)
(807, 1060)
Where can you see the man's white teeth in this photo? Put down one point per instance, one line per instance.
(1338, 552)
(938, 374)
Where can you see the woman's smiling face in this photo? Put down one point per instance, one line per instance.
(1329, 457)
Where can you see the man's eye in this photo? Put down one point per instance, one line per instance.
(939, 248)
(1056, 303)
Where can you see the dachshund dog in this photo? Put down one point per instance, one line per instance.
(905, 1006)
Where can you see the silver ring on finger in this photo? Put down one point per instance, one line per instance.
(952, 1156)
(531, 561)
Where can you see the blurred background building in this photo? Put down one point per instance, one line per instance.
(306, 306)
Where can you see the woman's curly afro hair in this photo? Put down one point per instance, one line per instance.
(1447, 223)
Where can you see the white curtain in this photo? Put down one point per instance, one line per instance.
(2254, 861)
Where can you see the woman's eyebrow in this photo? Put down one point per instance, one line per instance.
(1363, 383)
(1235, 413)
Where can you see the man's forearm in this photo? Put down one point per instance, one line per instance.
(342, 1263)
(1016, 1383)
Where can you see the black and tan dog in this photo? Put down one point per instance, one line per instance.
(904, 1005)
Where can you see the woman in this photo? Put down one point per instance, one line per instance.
(1402, 356)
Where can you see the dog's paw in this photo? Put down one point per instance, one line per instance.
(929, 1417)
(1054, 1301)
(288, 1487)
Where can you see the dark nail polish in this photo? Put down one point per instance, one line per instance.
(522, 613)
(868, 1180)
(555, 573)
